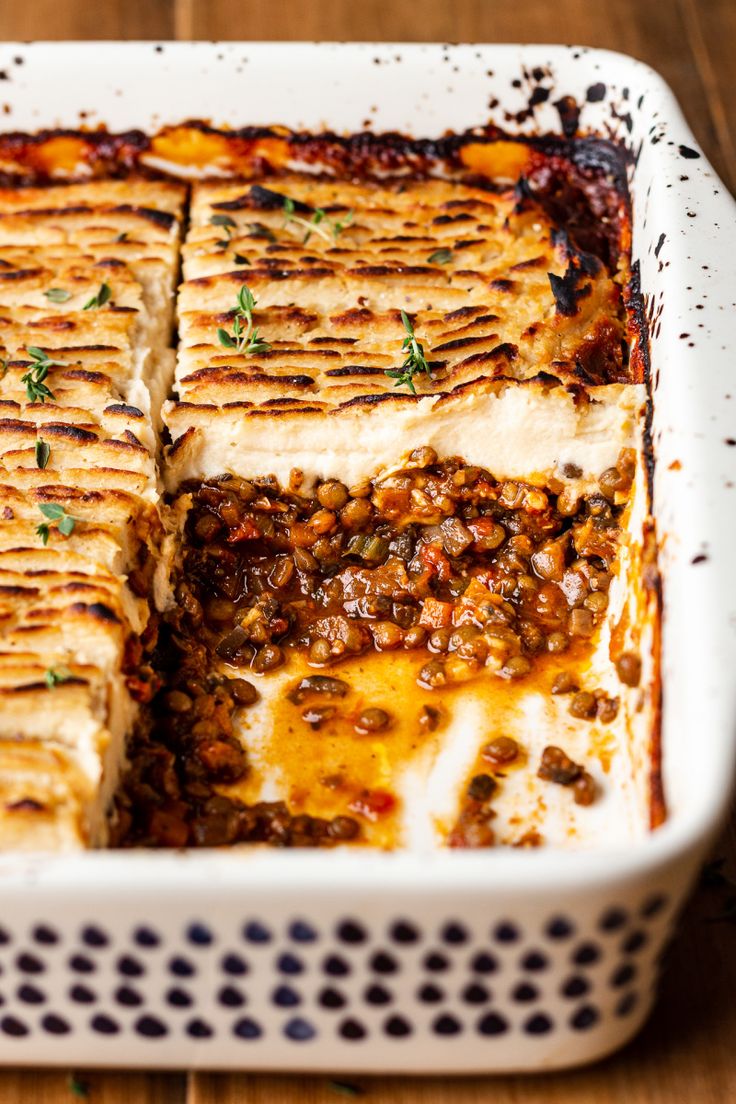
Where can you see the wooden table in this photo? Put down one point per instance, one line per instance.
(687, 1052)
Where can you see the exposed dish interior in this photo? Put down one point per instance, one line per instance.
(390, 578)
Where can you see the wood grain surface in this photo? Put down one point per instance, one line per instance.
(686, 1054)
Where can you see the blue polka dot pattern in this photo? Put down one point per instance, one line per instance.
(446, 1025)
(94, 936)
(302, 932)
(200, 935)
(378, 983)
(383, 963)
(301, 1031)
(506, 932)
(397, 1026)
(45, 935)
(454, 933)
(492, 1024)
(105, 1025)
(255, 932)
(178, 998)
(146, 937)
(55, 1025)
(350, 931)
(81, 964)
(246, 1028)
(559, 927)
(234, 965)
(352, 1030)
(289, 964)
(335, 966)
(404, 932)
(180, 967)
(584, 1018)
(231, 997)
(29, 994)
(150, 1027)
(538, 1024)
(285, 997)
(198, 1029)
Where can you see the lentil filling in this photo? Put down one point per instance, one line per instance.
(439, 559)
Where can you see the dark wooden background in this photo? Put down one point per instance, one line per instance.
(687, 1052)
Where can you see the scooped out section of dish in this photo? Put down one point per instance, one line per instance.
(431, 658)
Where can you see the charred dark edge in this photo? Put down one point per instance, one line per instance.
(121, 152)
(634, 304)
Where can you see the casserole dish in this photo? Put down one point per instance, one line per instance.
(457, 961)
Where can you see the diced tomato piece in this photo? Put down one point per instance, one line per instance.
(434, 558)
(435, 614)
(373, 804)
(245, 530)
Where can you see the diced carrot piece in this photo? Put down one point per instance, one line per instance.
(435, 614)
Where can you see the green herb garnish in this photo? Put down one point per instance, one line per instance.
(43, 451)
(244, 337)
(346, 1088)
(258, 230)
(227, 225)
(36, 389)
(121, 237)
(415, 362)
(312, 225)
(55, 512)
(99, 300)
(58, 295)
(55, 676)
(77, 1086)
(440, 256)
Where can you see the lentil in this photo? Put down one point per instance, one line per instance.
(501, 751)
(583, 705)
(628, 668)
(373, 720)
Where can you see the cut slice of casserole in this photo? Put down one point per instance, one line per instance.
(86, 301)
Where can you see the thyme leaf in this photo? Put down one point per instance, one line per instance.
(440, 256)
(258, 230)
(58, 295)
(55, 676)
(43, 451)
(227, 225)
(78, 1086)
(103, 296)
(415, 361)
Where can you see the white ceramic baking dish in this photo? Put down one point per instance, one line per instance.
(485, 961)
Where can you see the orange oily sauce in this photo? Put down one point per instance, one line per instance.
(314, 754)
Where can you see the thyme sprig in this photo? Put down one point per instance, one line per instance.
(415, 362)
(55, 676)
(330, 232)
(228, 225)
(244, 338)
(54, 511)
(36, 389)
